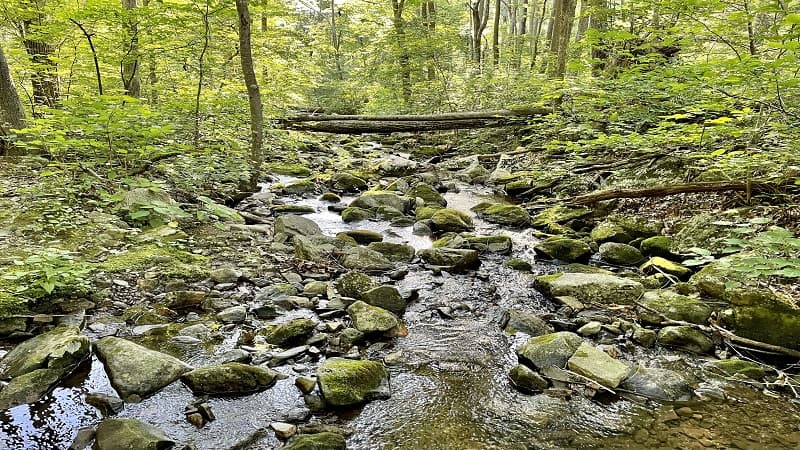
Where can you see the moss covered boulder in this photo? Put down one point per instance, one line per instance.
(453, 259)
(511, 215)
(564, 249)
(393, 251)
(553, 349)
(355, 214)
(292, 169)
(558, 215)
(345, 382)
(354, 284)
(658, 384)
(658, 246)
(373, 200)
(128, 434)
(386, 297)
(288, 333)
(500, 244)
(447, 219)
(319, 441)
(362, 237)
(427, 193)
(371, 319)
(527, 380)
(673, 306)
(685, 338)
(621, 254)
(595, 364)
(293, 225)
(591, 287)
(365, 259)
(658, 264)
(347, 182)
(735, 366)
(136, 370)
(229, 379)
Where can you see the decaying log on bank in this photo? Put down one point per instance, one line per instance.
(358, 124)
(752, 187)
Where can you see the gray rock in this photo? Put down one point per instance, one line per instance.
(362, 237)
(673, 306)
(393, 252)
(526, 322)
(591, 287)
(348, 382)
(553, 349)
(316, 289)
(526, 380)
(386, 297)
(136, 370)
(107, 404)
(286, 333)
(658, 384)
(590, 329)
(598, 366)
(686, 338)
(318, 441)
(130, 434)
(397, 166)
(225, 275)
(564, 249)
(181, 300)
(293, 225)
(447, 219)
(427, 193)
(365, 259)
(305, 384)
(234, 314)
(372, 201)
(355, 284)
(347, 182)
(622, 254)
(454, 260)
(229, 379)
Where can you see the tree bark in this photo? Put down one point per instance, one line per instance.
(44, 79)
(667, 190)
(253, 94)
(562, 31)
(496, 34)
(403, 58)
(130, 62)
(12, 114)
(479, 12)
(492, 114)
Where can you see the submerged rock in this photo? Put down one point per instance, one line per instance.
(686, 338)
(447, 219)
(553, 349)
(320, 441)
(346, 382)
(591, 287)
(455, 260)
(119, 434)
(564, 249)
(371, 319)
(136, 370)
(363, 237)
(658, 384)
(598, 366)
(229, 379)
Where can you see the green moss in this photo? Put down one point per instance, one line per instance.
(10, 305)
(425, 212)
(297, 170)
(168, 261)
(346, 382)
(547, 279)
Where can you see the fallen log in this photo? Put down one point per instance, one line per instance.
(357, 124)
(752, 187)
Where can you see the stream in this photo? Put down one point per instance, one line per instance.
(449, 378)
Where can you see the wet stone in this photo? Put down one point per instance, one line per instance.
(527, 380)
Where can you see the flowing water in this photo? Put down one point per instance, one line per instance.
(449, 382)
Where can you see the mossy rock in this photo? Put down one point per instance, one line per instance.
(527, 380)
(610, 232)
(347, 182)
(292, 209)
(362, 237)
(519, 264)
(319, 441)
(511, 215)
(685, 338)
(452, 220)
(564, 249)
(482, 243)
(737, 366)
(365, 259)
(558, 215)
(229, 379)
(345, 382)
(425, 212)
(372, 200)
(297, 187)
(591, 287)
(371, 319)
(289, 333)
(553, 349)
(427, 193)
(116, 434)
(354, 284)
(657, 246)
(673, 306)
(622, 254)
(330, 197)
(296, 170)
(393, 251)
(354, 214)
(657, 264)
(166, 260)
(456, 260)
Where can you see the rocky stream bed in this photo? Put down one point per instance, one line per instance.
(436, 315)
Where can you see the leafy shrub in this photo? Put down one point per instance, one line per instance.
(49, 273)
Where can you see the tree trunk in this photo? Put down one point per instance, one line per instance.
(12, 114)
(562, 31)
(538, 35)
(496, 34)
(599, 22)
(403, 58)
(44, 79)
(335, 43)
(130, 62)
(583, 22)
(479, 11)
(253, 94)
(201, 68)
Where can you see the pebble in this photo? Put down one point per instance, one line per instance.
(590, 329)
(283, 430)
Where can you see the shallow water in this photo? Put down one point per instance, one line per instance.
(449, 382)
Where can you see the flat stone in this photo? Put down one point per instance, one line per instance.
(527, 380)
(658, 384)
(283, 430)
(591, 287)
(234, 314)
(598, 366)
(117, 434)
(553, 349)
(318, 441)
(686, 338)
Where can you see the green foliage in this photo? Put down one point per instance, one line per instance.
(49, 273)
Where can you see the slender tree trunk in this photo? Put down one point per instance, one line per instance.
(583, 21)
(44, 79)
(253, 93)
(496, 34)
(537, 37)
(201, 69)
(12, 114)
(335, 42)
(403, 58)
(479, 11)
(152, 76)
(599, 21)
(429, 22)
(562, 31)
(130, 62)
(94, 55)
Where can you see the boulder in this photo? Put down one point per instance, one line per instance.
(610, 232)
(354, 214)
(386, 297)
(685, 338)
(346, 382)
(482, 243)
(365, 259)
(316, 289)
(347, 182)
(296, 187)
(564, 249)
(591, 287)
(371, 319)
(658, 246)
(229, 379)
(394, 252)
(278, 210)
(130, 434)
(553, 349)
(293, 225)
(363, 237)
(737, 366)
(527, 380)
(673, 306)
(558, 215)
(181, 300)
(447, 219)
(288, 333)
(657, 264)
(511, 215)
(234, 314)
(225, 275)
(317, 247)
(397, 166)
(526, 322)
(320, 441)
(622, 254)
(428, 194)
(704, 230)
(374, 200)
(354, 284)
(136, 370)
(595, 364)
(454, 260)
(658, 384)
(28, 387)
